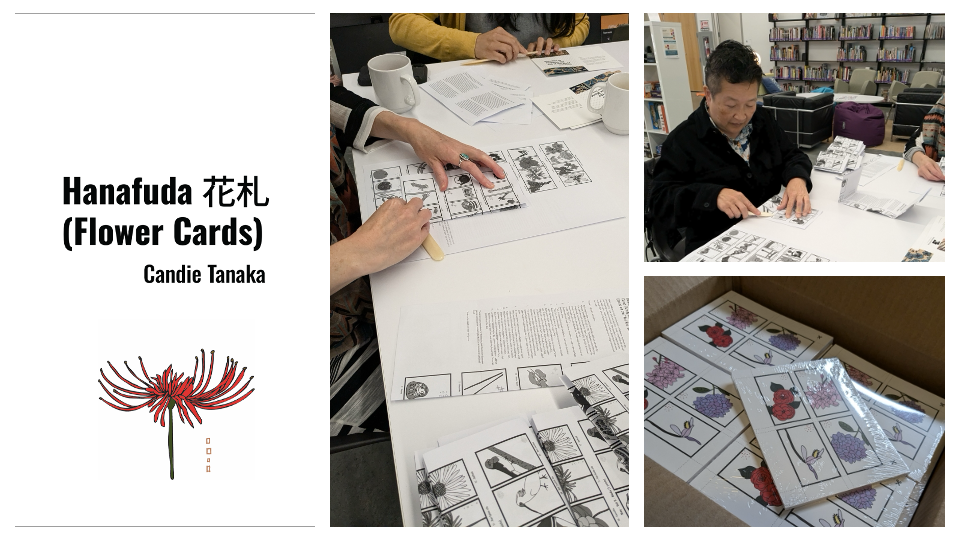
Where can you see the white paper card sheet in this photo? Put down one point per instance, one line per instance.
(734, 332)
(504, 344)
(735, 245)
(498, 477)
(692, 410)
(740, 481)
(816, 433)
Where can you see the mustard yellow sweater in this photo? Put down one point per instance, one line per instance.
(449, 40)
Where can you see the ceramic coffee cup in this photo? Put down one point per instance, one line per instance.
(392, 78)
(615, 110)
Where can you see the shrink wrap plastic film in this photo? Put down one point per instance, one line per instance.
(817, 435)
(912, 418)
(735, 333)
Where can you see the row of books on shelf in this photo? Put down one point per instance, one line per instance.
(890, 74)
(897, 32)
(658, 116)
(864, 31)
(802, 33)
(651, 89)
(934, 31)
(852, 53)
(785, 53)
(822, 73)
(904, 54)
(648, 153)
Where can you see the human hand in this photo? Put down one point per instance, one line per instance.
(735, 204)
(497, 44)
(390, 234)
(542, 47)
(796, 196)
(436, 149)
(927, 167)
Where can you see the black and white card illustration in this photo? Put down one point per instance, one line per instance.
(505, 470)
(817, 435)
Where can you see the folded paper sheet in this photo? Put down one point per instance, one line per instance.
(470, 97)
(817, 435)
(504, 344)
(885, 206)
(692, 410)
(734, 332)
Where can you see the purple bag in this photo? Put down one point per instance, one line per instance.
(859, 121)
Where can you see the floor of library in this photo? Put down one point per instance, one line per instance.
(886, 147)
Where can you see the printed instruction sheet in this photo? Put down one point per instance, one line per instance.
(736, 245)
(498, 477)
(468, 96)
(547, 175)
(504, 344)
(850, 196)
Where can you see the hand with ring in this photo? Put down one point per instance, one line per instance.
(436, 150)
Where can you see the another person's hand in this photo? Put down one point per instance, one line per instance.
(390, 234)
(927, 167)
(497, 44)
(796, 197)
(436, 149)
(542, 47)
(735, 204)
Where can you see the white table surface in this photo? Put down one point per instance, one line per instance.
(839, 97)
(847, 234)
(586, 258)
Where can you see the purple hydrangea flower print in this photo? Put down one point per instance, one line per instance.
(861, 498)
(665, 373)
(823, 395)
(713, 405)
(909, 416)
(741, 318)
(848, 448)
(785, 342)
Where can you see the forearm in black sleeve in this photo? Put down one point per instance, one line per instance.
(353, 117)
(677, 201)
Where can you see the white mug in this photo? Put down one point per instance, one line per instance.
(615, 110)
(392, 78)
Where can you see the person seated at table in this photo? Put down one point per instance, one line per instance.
(497, 36)
(727, 157)
(394, 231)
(926, 146)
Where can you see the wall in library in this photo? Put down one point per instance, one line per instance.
(756, 29)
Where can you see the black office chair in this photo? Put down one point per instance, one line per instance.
(667, 246)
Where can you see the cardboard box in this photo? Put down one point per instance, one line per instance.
(897, 323)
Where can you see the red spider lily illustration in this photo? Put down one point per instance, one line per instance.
(166, 390)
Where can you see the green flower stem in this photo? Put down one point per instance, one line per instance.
(170, 437)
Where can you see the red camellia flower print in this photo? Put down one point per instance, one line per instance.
(723, 340)
(771, 496)
(714, 331)
(782, 396)
(761, 478)
(783, 411)
(169, 390)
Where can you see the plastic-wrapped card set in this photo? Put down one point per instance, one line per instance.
(734, 332)
(913, 419)
(815, 431)
(838, 438)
